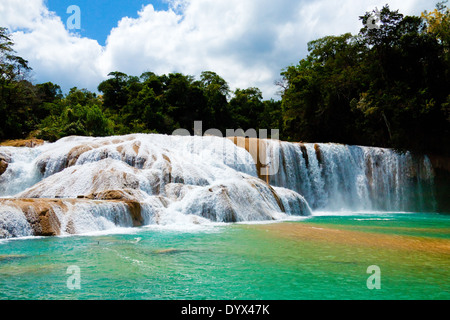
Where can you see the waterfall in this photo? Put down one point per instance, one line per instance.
(83, 184)
(337, 177)
(21, 172)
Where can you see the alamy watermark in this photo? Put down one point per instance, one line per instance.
(374, 281)
(74, 21)
(74, 280)
(374, 20)
(264, 155)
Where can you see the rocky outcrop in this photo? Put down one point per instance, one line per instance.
(304, 153)
(29, 143)
(123, 148)
(318, 153)
(5, 159)
(440, 162)
(51, 217)
(3, 166)
(39, 214)
(257, 148)
(85, 184)
(127, 196)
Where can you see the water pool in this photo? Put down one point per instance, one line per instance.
(320, 257)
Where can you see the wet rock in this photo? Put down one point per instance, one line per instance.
(126, 194)
(440, 162)
(136, 213)
(304, 154)
(49, 222)
(177, 191)
(256, 147)
(41, 214)
(318, 153)
(3, 166)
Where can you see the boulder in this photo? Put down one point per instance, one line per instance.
(39, 214)
(3, 166)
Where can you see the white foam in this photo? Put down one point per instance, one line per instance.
(187, 183)
(339, 178)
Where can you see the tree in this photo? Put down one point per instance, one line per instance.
(216, 91)
(438, 23)
(247, 108)
(386, 86)
(115, 95)
(78, 113)
(17, 95)
(319, 89)
(12, 67)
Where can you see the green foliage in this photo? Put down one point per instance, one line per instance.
(246, 107)
(383, 87)
(438, 23)
(79, 113)
(153, 103)
(17, 96)
(387, 86)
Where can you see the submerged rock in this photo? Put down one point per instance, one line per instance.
(12, 257)
(169, 251)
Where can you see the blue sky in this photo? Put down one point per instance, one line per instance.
(100, 16)
(246, 42)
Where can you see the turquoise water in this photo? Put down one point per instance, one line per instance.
(322, 257)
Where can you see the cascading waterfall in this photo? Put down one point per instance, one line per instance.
(353, 178)
(13, 222)
(83, 184)
(21, 172)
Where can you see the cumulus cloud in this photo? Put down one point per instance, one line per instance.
(53, 52)
(247, 42)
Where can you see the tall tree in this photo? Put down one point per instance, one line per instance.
(17, 95)
(216, 91)
(386, 86)
(247, 108)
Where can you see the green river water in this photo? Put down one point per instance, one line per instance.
(320, 257)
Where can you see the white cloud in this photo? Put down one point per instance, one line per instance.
(246, 42)
(54, 54)
(22, 14)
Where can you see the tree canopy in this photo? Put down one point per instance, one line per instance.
(387, 86)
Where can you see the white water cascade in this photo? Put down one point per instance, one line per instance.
(84, 184)
(337, 177)
(158, 179)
